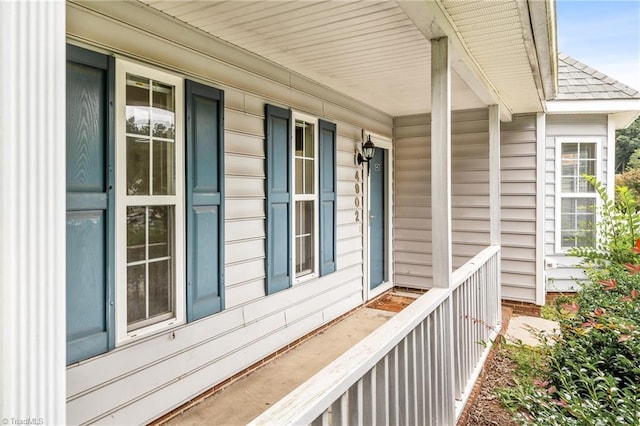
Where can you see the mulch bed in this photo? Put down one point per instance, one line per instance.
(487, 409)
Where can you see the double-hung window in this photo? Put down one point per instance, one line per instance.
(576, 198)
(145, 202)
(305, 216)
(150, 200)
(300, 198)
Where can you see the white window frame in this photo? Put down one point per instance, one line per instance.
(298, 116)
(123, 67)
(559, 195)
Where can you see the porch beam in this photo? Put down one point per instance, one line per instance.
(494, 174)
(441, 162)
(32, 223)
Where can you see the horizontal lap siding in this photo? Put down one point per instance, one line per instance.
(142, 380)
(412, 202)
(591, 126)
(412, 193)
(518, 208)
(470, 184)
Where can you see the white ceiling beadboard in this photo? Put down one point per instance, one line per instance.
(493, 34)
(369, 50)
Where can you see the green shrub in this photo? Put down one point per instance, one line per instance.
(591, 375)
(617, 230)
(630, 179)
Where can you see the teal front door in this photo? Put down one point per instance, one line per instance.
(377, 220)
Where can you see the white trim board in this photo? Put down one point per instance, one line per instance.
(593, 106)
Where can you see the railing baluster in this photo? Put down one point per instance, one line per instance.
(369, 397)
(394, 412)
(420, 373)
(402, 373)
(438, 365)
(413, 371)
(323, 420)
(382, 392)
(428, 368)
(360, 404)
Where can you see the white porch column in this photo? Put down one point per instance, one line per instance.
(441, 162)
(541, 142)
(494, 174)
(495, 214)
(441, 213)
(32, 217)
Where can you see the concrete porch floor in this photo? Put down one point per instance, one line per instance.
(245, 399)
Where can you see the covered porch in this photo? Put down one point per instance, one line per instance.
(433, 81)
(383, 363)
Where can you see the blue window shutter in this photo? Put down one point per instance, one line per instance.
(279, 198)
(327, 153)
(205, 200)
(90, 204)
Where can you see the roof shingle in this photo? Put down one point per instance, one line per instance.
(579, 81)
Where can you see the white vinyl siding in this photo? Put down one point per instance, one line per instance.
(140, 381)
(518, 208)
(412, 193)
(568, 127)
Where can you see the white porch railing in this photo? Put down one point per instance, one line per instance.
(418, 368)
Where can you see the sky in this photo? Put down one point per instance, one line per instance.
(604, 34)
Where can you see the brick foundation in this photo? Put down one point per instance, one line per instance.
(552, 296)
(522, 308)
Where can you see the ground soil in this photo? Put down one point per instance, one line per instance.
(487, 409)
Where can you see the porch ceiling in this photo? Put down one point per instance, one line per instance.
(372, 50)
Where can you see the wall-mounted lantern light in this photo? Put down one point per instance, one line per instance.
(368, 150)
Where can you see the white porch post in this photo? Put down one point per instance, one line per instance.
(541, 141)
(494, 174)
(32, 219)
(494, 198)
(441, 213)
(441, 162)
